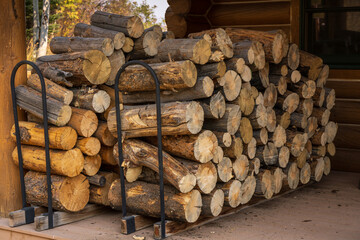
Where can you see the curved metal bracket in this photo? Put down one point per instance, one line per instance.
(46, 136)
(160, 156)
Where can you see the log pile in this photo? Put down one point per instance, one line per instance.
(244, 114)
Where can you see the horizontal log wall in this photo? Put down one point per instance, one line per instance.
(347, 113)
(255, 14)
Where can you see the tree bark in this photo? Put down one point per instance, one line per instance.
(235, 149)
(288, 102)
(296, 141)
(252, 52)
(91, 99)
(213, 203)
(292, 176)
(232, 193)
(264, 184)
(214, 107)
(267, 154)
(230, 122)
(212, 70)
(44, 28)
(146, 46)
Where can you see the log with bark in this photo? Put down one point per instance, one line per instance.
(85, 122)
(235, 149)
(180, 118)
(70, 194)
(214, 107)
(68, 163)
(88, 67)
(146, 46)
(212, 70)
(232, 193)
(184, 207)
(104, 135)
(225, 170)
(264, 184)
(91, 99)
(99, 195)
(230, 122)
(212, 203)
(252, 52)
(63, 138)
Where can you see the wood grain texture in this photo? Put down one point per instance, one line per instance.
(346, 111)
(347, 136)
(345, 88)
(346, 159)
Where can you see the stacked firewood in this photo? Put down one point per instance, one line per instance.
(244, 113)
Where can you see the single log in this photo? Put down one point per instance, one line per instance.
(296, 141)
(254, 166)
(79, 44)
(261, 136)
(284, 156)
(323, 76)
(270, 96)
(295, 76)
(224, 138)
(301, 159)
(63, 138)
(131, 26)
(320, 137)
(293, 56)
(331, 149)
(157, 29)
(279, 69)
(99, 195)
(89, 146)
(97, 180)
(305, 107)
(92, 165)
(89, 67)
(85, 122)
(322, 115)
(282, 118)
(231, 83)
(212, 70)
(288, 102)
(280, 82)
(278, 176)
(104, 135)
(146, 46)
(236, 148)
(56, 75)
(271, 121)
(292, 176)
(319, 97)
(180, 7)
(216, 56)
(219, 40)
(177, 118)
(250, 149)
(264, 184)
(180, 206)
(128, 45)
(311, 126)
(329, 98)
(267, 154)
(272, 42)
(259, 100)
(107, 156)
(331, 130)
(246, 131)
(68, 194)
(213, 203)
(91, 99)
(205, 173)
(317, 169)
(236, 64)
(89, 31)
(172, 75)
(318, 151)
(258, 117)
(309, 64)
(245, 100)
(308, 147)
(67, 163)
(218, 155)
(200, 147)
(304, 88)
(260, 79)
(214, 107)
(298, 120)
(30, 100)
(117, 59)
(144, 154)
(252, 52)
(241, 167)
(196, 50)
(327, 165)
(133, 172)
(279, 136)
(247, 189)
(232, 193)
(230, 122)
(305, 173)
(53, 90)
(225, 169)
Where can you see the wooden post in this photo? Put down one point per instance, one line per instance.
(12, 52)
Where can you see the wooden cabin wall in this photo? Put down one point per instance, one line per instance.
(264, 15)
(347, 114)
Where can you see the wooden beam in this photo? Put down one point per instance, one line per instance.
(345, 88)
(347, 136)
(12, 30)
(346, 159)
(346, 111)
(141, 222)
(295, 21)
(18, 218)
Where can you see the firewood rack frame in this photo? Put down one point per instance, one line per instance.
(130, 220)
(29, 212)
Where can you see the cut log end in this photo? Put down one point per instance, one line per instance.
(241, 167)
(217, 202)
(293, 176)
(225, 170)
(194, 117)
(205, 146)
(232, 193)
(327, 166)
(96, 67)
(264, 184)
(277, 180)
(284, 156)
(305, 173)
(186, 183)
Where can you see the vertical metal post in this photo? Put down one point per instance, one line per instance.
(159, 138)
(46, 136)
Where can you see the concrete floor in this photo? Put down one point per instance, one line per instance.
(326, 210)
